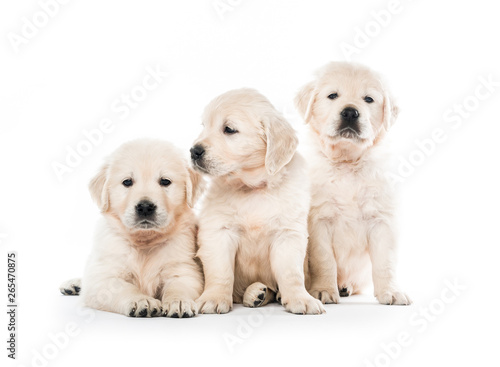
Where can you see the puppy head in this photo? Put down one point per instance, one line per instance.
(347, 106)
(243, 132)
(145, 184)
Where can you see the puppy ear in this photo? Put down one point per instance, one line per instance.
(98, 189)
(305, 99)
(281, 142)
(391, 111)
(195, 185)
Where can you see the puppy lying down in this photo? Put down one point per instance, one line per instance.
(142, 263)
(253, 223)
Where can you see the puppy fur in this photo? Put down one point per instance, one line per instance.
(253, 222)
(143, 266)
(351, 221)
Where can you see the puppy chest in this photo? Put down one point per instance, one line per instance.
(254, 217)
(350, 212)
(350, 197)
(145, 273)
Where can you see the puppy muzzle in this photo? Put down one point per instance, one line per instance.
(146, 214)
(198, 157)
(349, 127)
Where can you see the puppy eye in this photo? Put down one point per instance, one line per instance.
(230, 131)
(127, 183)
(165, 182)
(333, 96)
(368, 99)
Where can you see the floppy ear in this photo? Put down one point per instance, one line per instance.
(195, 185)
(391, 111)
(98, 189)
(281, 142)
(305, 99)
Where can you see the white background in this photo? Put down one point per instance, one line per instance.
(64, 80)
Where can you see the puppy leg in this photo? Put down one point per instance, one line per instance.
(217, 253)
(71, 287)
(287, 264)
(119, 296)
(382, 246)
(322, 263)
(257, 294)
(182, 285)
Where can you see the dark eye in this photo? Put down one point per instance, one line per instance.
(333, 96)
(368, 99)
(229, 131)
(127, 183)
(165, 182)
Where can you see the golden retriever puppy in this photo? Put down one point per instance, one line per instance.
(253, 223)
(143, 260)
(351, 220)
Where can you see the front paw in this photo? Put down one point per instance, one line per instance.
(303, 304)
(177, 308)
(143, 307)
(326, 295)
(393, 297)
(214, 303)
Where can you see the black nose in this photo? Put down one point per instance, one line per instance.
(145, 209)
(350, 113)
(197, 152)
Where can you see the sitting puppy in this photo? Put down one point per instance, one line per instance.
(349, 110)
(142, 263)
(253, 223)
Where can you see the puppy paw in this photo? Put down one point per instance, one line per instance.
(71, 287)
(255, 295)
(278, 297)
(345, 291)
(393, 297)
(214, 303)
(326, 295)
(304, 304)
(143, 307)
(179, 308)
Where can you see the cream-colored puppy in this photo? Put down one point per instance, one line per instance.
(253, 223)
(143, 260)
(351, 220)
